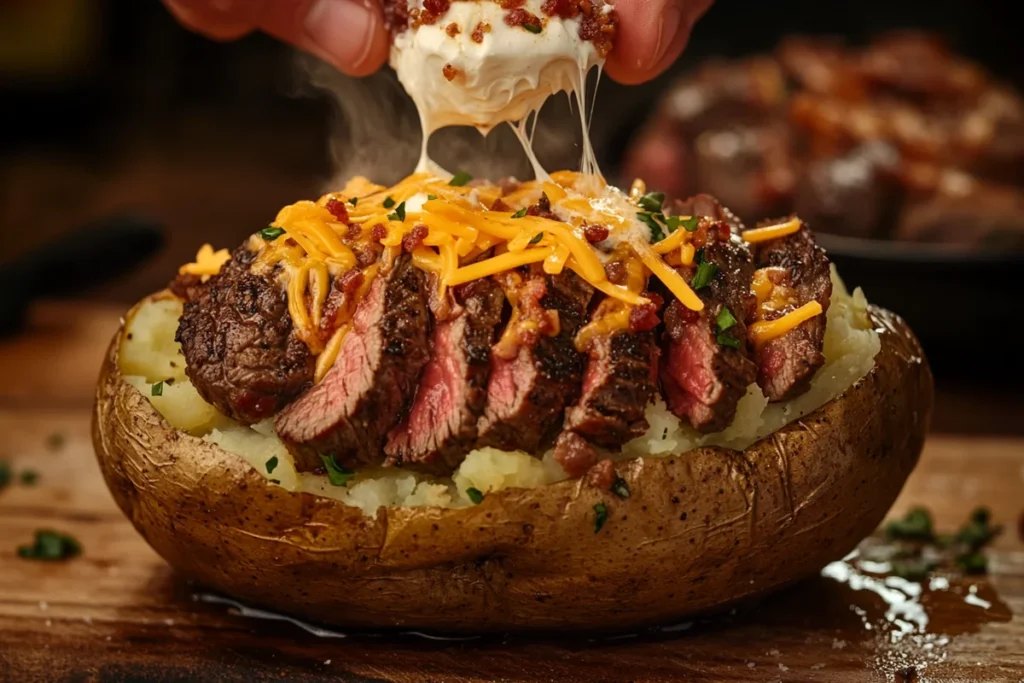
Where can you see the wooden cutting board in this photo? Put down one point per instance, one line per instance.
(117, 612)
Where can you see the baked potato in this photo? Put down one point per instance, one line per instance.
(699, 529)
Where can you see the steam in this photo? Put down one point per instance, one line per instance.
(376, 132)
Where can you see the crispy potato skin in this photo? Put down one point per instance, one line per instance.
(697, 533)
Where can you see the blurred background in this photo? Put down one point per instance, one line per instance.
(114, 115)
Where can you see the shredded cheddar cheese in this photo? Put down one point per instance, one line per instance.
(772, 232)
(765, 330)
(208, 262)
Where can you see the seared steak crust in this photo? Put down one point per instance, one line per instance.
(527, 394)
(442, 423)
(786, 364)
(240, 350)
(370, 386)
(618, 383)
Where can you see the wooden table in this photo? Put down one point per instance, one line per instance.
(117, 613)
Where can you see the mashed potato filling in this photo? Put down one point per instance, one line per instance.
(151, 361)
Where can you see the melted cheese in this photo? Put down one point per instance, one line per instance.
(765, 330)
(208, 262)
(772, 232)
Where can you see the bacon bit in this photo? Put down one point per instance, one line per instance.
(378, 232)
(595, 233)
(450, 72)
(542, 209)
(520, 17)
(709, 230)
(354, 232)
(368, 254)
(550, 324)
(337, 210)
(465, 291)
(414, 237)
(566, 9)
(575, 454)
(452, 30)
(616, 272)
(600, 29)
(644, 317)
(349, 282)
(478, 33)
(499, 205)
(511, 4)
(433, 10)
(602, 475)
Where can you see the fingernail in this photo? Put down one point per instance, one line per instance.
(669, 23)
(342, 30)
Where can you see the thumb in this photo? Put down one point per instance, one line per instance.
(651, 36)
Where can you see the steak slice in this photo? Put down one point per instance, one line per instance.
(241, 352)
(798, 272)
(442, 423)
(364, 395)
(538, 373)
(706, 368)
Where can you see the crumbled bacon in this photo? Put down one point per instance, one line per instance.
(599, 28)
(478, 33)
(368, 254)
(452, 29)
(575, 454)
(414, 237)
(341, 296)
(710, 230)
(616, 272)
(520, 17)
(602, 475)
(433, 10)
(542, 208)
(644, 317)
(511, 4)
(337, 209)
(450, 72)
(354, 231)
(378, 232)
(566, 9)
(595, 233)
(499, 205)
(349, 281)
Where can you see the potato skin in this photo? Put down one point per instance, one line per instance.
(697, 532)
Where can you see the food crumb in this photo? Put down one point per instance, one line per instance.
(43, 606)
(838, 644)
(751, 665)
(774, 653)
(327, 661)
(49, 622)
(450, 72)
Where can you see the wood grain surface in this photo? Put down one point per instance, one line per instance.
(118, 613)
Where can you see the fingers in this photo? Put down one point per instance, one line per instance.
(652, 35)
(349, 34)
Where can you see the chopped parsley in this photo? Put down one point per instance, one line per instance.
(520, 213)
(725, 319)
(272, 465)
(431, 197)
(652, 201)
(724, 339)
(354, 201)
(705, 274)
(29, 477)
(620, 487)
(460, 179)
(689, 224)
(913, 569)
(337, 474)
(157, 389)
(474, 495)
(271, 233)
(916, 526)
(600, 516)
(977, 531)
(973, 562)
(532, 28)
(50, 545)
(388, 202)
(398, 214)
(657, 234)
(537, 238)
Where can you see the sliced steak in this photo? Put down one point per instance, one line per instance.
(365, 394)
(240, 350)
(537, 372)
(707, 369)
(442, 423)
(797, 271)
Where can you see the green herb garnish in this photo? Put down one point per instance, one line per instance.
(724, 339)
(157, 389)
(50, 545)
(520, 213)
(337, 474)
(652, 201)
(354, 201)
(388, 202)
(620, 487)
(431, 197)
(657, 234)
(689, 224)
(29, 477)
(916, 526)
(474, 495)
(271, 233)
(272, 465)
(725, 319)
(600, 516)
(913, 569)
(537, 238)
(705, 273)
(460, 179)
(973, 562)
(398, 214)
(977, 531)
(532, 28)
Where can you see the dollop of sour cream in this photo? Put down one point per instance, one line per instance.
(471, 68)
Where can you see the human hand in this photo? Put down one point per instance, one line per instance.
(350, 34)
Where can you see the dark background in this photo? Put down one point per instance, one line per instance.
(132, 111)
